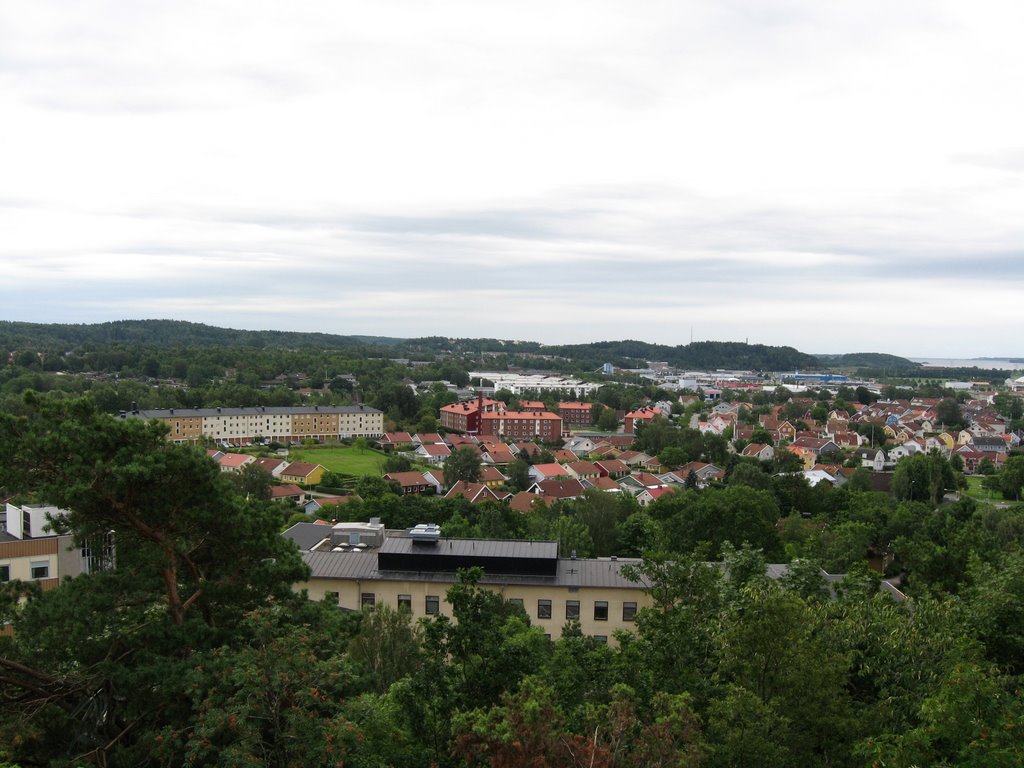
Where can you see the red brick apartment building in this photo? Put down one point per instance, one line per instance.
(465, 416)
(522, 425)
(576, 414)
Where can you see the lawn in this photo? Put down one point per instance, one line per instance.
(976, 492)
(342, 458)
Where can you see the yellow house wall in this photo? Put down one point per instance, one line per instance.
(386, 592)
(21, 567)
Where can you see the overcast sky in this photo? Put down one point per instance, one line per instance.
(835, 176)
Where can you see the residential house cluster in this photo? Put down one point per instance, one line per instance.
(913, 426)
(583, 463)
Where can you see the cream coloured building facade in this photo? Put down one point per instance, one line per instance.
(237, 426)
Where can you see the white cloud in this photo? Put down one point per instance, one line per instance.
(589, 170)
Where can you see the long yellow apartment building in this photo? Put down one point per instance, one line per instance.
(283, 424)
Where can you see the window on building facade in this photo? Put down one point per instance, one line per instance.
(516, 601)
(600, 610)
(5, 573)
(543, 609)
(368, 600)
(572, 609)
(40, 570)
(601, 639)
(405, 602)
(628, 611)
(433, 605)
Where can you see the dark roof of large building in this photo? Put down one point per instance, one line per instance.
(600, 573)
(519, 548)
(307, 535)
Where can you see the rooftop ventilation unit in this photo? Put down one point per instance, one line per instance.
(350, 534)
(425, 533)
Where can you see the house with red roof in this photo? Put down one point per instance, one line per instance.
(639, 416)
(303, 473)
(499, 454)
(606, 484)
(409, 482)
(287, 492)
(492, 477)
(583, 470)
(474, 492)
(561, 489)
(432, 453)
(233, 462)
(650, 495)
(272, 467)
(612, 468)
(759, 451)
(526, 502)
(395, 441)
(541, 472)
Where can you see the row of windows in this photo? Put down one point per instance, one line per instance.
(572, 609)
(432, 605)
(38, 570)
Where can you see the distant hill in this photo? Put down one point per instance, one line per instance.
(169, 333)
(699, 355)
(869, 360)
(624, 354)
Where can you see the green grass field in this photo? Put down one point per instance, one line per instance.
(976, 492)
(344, 459)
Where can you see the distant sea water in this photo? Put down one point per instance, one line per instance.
(1000, 364)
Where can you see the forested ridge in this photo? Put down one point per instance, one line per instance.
(195, 651)
(59, 338)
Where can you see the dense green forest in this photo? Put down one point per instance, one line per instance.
(56, 341)
(195, 651)
(875, 360)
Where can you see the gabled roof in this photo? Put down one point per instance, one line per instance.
(286, 491)
(500, 454)
(235, 460)
(646, 479)
(604, 484)
(657, 493)
(407, 479)
(300, 469)
(475, 492)
(531, 448)
(612, 466)
(491, 475)
(269, 464)
(551, 470)
(561, 489)
(435, 449)
(524, 501)
(583, 468)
